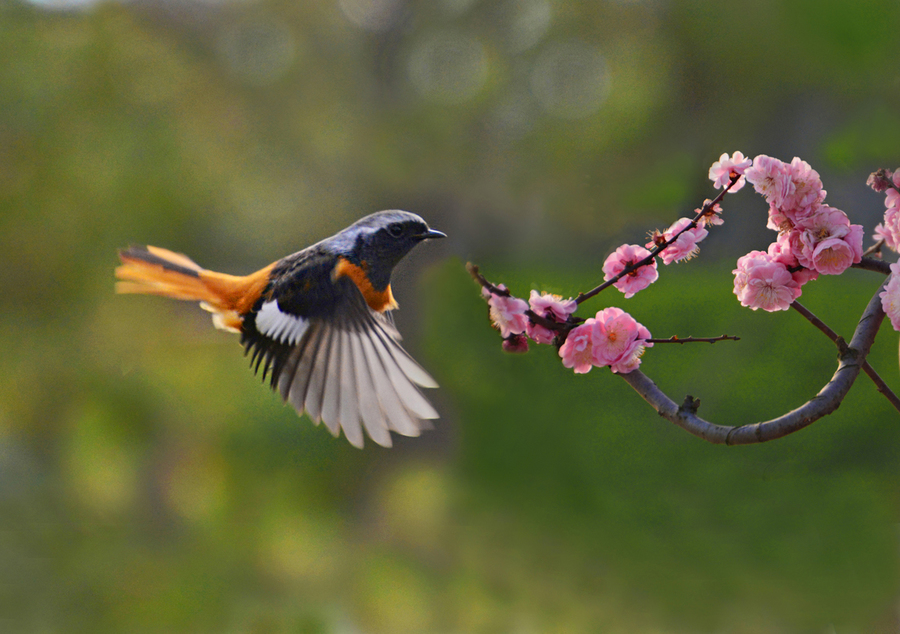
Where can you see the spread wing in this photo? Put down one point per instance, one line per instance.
(342, 363)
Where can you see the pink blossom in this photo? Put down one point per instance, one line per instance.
(507, 313)
(827, 242)
(832, 256)
(892, 199)
(880, 180)
(771, 178)
(762, 282)
(712, 217)
(778, 221)
(551, 307)
(889, 231)
(636, 280)
(618, 340)
(577, 351)
(516, 344)
(722, 170)
(807, 191)
(803, 275)
(890, 296)
(685, 246)
(783, 251)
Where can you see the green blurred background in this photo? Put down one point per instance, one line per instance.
(149, 483)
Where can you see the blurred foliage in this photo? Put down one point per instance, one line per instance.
(148, 483)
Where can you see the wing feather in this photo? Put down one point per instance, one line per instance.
(349, 412)
(346, 369)
(395, 414)
(370, 410)
(409, 394)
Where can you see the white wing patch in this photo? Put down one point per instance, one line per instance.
(358, 380)
(281, 327)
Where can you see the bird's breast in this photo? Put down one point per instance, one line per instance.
(378, 300)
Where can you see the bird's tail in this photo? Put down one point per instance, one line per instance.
(154, 271)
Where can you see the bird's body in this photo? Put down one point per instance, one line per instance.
(316, 322)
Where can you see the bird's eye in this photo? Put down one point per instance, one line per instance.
(395, 229)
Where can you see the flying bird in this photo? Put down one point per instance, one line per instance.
(316, 322)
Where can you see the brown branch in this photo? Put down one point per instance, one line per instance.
(556, 326)
(880, 385)
(874, 264)
(707, 206)
(481, 279)
(825, 402)
(875, 249)
(677, 339)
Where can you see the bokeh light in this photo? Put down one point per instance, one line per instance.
(523, 23)
(448, 66)
(372, 15)
(570, 79)
(258, 50)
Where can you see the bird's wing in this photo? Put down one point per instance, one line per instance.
(345, 367)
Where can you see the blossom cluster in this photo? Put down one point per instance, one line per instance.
(813, 238)
(889, 230)
(611, 338)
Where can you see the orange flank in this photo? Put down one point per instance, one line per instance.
(162, 272)
(377, 300)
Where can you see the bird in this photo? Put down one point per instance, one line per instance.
(317, 322)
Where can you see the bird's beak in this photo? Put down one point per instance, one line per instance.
(432, 234)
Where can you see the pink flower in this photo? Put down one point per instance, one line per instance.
(551, 307)
(807, 191)
(516, 344)
(832, 256)
(782, 250)
(880, 180)
(827, 242)
(507, 313)
(685, 247)
(762, 282)
(889, 231)
(636, 280)
(802, 275)
(726, 167)
(892, 199)
(771, 178)
(890, 296)
(619, 340)
(577, 351)
(712, 216)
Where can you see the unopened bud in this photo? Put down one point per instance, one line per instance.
(880, 180)
(516, 344)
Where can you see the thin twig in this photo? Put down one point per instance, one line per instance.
(825, 402)
(677, 339)
(875, 249)
(880, 385)
(660, 247)
(533, 316)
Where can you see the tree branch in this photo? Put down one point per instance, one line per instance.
(706, 209)
(880, 385)
(828, 399)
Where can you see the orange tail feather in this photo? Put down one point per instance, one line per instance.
(155, 271)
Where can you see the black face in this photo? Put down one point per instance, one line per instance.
(406, 230)
(396, 234)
